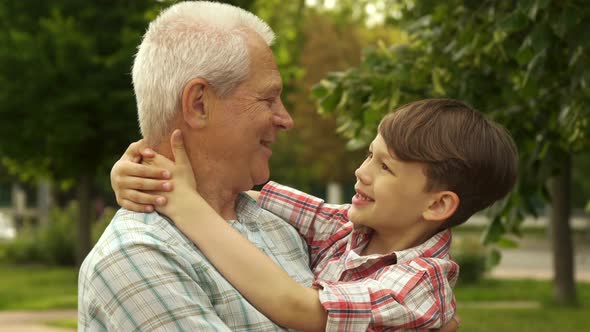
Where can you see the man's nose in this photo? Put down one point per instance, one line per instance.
(282, 118)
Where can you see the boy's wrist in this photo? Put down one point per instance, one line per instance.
(183, 206)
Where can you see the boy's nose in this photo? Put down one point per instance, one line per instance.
(361, 174)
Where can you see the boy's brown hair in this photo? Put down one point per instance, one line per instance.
(462, 151)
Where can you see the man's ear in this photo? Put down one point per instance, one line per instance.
(443, 205)
(194, 112)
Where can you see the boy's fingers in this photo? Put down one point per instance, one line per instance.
(159, 162)
(147, 153)
(129, 205)
(177, 142)
(142, 198)
(144, 171)
(141, 183)
(133, 151)
(452, 325)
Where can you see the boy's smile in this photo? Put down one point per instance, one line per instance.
(361, 198)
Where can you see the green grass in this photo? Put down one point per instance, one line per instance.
(524, 320)
(42, 288)
(548, 317)
(64, 323)
(515, 290)
(37, 288)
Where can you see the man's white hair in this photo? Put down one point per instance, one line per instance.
(193, 39)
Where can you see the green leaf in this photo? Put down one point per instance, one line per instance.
(538, 58)
(507, 243)
(529, 8)
(540, 37)
(513, 22)
(494, 231)
(493, 258)
(542, 4)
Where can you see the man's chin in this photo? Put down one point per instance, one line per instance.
(261, 177)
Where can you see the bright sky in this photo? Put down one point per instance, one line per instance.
(375, 10)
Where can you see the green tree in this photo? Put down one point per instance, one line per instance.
(65, 91)
(526, 64)
(312, 154)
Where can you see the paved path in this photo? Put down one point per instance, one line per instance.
(33, 321)
(533, 259)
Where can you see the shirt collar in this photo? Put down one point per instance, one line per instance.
(437, 246)
(246, 209)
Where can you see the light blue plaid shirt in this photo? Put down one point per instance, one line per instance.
(145, 275)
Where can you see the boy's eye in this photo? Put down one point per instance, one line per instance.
(369, 155)
(384, 167)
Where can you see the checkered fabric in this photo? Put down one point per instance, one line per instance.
(145, 275)
(403, 290)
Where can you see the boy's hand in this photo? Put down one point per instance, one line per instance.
(131, 181)
(185, 188)
(451, 326)
(253, 194)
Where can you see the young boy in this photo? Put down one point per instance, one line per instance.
(383, 261)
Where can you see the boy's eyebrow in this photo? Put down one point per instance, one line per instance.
(387, 157)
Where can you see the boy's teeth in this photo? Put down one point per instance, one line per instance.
(364, 198)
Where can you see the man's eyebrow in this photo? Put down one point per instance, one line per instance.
(273, 89)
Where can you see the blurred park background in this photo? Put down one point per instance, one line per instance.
(67, 112)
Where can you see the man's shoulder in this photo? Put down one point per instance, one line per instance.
(133, 226)
(251, 213)
(130, 230)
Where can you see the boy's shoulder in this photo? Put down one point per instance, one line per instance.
(432, 256)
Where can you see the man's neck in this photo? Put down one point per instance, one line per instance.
(213, 190)
(222, 201)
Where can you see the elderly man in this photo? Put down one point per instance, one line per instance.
(207, 69)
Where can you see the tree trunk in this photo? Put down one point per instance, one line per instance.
(334, 193)
(85, 215)
(563, 257)
(44, 201)
(19, 204)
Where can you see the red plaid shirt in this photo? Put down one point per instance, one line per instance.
(407, 289)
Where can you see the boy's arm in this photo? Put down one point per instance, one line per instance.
(315, 220)
(269, 288)
(406, 296)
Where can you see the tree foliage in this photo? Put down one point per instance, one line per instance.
(526, 64)
(64, 79)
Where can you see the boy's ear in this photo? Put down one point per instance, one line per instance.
(194, 112)
(444, 204)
